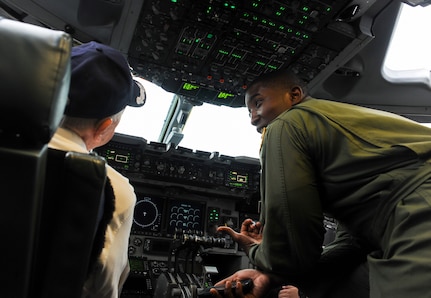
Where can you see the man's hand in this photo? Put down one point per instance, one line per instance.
(288, 292)
(251, 233)
(261, 284)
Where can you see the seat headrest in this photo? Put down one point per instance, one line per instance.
(34, 82)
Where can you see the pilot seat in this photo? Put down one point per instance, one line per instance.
(52, 201)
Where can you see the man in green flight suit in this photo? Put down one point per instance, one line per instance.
(367, 168)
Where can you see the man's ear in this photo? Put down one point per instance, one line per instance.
(102, 125)
(297, 94)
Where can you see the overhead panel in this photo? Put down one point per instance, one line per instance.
(211, 50)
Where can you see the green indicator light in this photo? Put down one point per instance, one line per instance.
(264, 21)
(186, 41)
(305, 8)
(328, 9)
(306, 36)
(278, 13)
(174, 1)
(237, 33)
(272, 66)
(197, 40)
(255, 18)
(257, 39)
(281, 27)
(232, 6)
(289, 30)
(301, 22)
(272, 24)
(224, 95)
(305, 17)
(292, 52)
(260, 63)
(236, 56)
(209, 35)
(298, 33)
(226, 4)
(282, 8)
(190, 87)
(245, 15)
(255, 4)
(223, 52)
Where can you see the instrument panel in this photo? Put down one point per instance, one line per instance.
(211, 50)
(182, 197)
(198, 171)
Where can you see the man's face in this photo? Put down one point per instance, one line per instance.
(265, 104)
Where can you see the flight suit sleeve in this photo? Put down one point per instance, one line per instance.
(292, 213)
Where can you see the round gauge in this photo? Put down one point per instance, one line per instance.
(146, 213)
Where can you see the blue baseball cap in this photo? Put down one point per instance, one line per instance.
(101, 82)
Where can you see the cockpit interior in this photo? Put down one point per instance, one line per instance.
(205, 53)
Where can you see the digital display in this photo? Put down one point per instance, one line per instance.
(122, 158)
(189, 89)
(157, 246)
(185, 216)
(238, 179)
(119, 159)
(224, 95)
(148, 214)
(136, 265)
